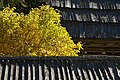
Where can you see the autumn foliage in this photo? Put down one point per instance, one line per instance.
(37, 34)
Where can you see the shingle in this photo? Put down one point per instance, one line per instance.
(62, 3)
(91, 15)
(86, 4)
(92, 30)
(91, 18)
(93, 5)
(68, 3)
(118, 5)
(55, 3)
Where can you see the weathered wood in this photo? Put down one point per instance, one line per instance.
(93, 4)
(99, 45)
(60, 68)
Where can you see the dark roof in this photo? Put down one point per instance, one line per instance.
(91, 18)
(85, 15)
(94, 22)
(92, 4)
(60, 68)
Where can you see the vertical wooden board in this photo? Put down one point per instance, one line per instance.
(107, 75)
(116, 76)
(9, 69)
(34, 76)
(118, 71)
(53, 74)
(46, 72)
(36, 65)
(66, 69)
(1, 71)
(59, 75)
(6, 73)
(102, 70)
(95, 69)
(97, 74)
(40, 73)
(68, 73)
(106, 70)
(29, 73)
(17, 72)
(86, 68)
(11, 74)
(75, 72)
(32, 71)
(26, 64)
(91, 75)
(20, 70)
(85, 74)
(14, 71)
(80, 74)
(54, 65)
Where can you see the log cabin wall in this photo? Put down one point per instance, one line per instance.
(94, 22)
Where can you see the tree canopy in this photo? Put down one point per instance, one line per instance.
(38, 34)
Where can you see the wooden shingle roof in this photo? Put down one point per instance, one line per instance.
(60, 68)
(96, 21)
(91, 18)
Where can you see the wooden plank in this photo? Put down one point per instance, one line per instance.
(1, 71)
(101, 50)
(101, 45)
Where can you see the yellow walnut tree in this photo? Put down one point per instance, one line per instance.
(37, 34)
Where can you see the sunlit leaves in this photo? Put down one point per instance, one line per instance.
(37, 34)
